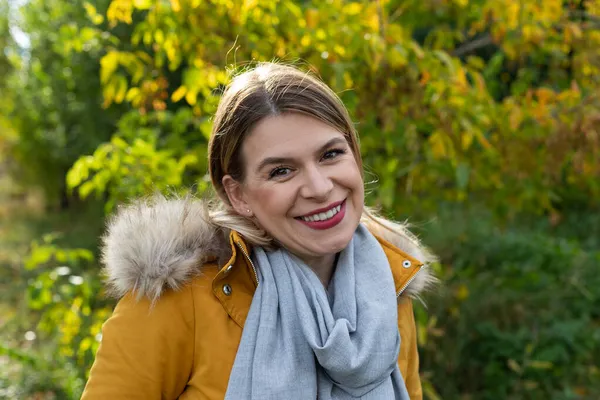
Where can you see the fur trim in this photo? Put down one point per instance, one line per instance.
(154, 244)
(158, 243)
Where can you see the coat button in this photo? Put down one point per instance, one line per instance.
(227, 289)
(406, 264)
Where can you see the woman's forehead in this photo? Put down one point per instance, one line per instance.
(288, 136)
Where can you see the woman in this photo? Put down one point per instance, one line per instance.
(276, 290)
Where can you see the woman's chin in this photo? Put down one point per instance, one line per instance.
(333, 246)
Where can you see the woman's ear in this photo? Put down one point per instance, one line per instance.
(236, 196)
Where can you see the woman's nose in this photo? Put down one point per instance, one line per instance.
(317, 185)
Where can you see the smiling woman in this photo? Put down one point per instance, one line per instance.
(284, 287)
(298, 170)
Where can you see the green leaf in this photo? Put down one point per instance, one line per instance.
(39, 256)
(86, 188)
(78, 173)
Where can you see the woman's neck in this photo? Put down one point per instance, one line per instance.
(322, 266)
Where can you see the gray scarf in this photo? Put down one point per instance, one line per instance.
(301, 342)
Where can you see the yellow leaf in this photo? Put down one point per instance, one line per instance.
(457, 101)
(480, 82)
(516, 116)
(108, 65)
(89, 9)
(120, 11)
(544, 95)
(170, 49)
(191, 97)
(108, 93)
(312, 17)
(461, 78)
(467, 140)
(142, 4)
(175, 5)
(438, 145)
(527, 32)
(397, 56)
(132, 93)
(92, 14)
(462, 292)
(179, 93)
(121, 90)
(198, 62)
(353, 9)
(159, 36)
(339, 50)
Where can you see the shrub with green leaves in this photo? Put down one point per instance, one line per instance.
(518, 314)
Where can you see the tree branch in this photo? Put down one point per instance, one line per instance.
(469, 47)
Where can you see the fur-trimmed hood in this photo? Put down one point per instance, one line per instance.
(158, 243)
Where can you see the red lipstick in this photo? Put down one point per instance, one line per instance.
(331, 222)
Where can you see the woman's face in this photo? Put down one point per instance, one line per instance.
(302, 184)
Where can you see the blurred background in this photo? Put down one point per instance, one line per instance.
(479, 124)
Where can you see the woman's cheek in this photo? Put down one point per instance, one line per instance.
(271, 200)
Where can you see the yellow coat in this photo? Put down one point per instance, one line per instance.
(175, 331)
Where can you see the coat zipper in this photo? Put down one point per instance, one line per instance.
(249, 259)
(403, 288)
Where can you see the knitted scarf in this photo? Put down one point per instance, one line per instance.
(301, 341)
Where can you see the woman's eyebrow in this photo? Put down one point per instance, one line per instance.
(287, 160)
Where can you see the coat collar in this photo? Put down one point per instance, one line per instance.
(404, 267)
(236, 280)
(156, 244)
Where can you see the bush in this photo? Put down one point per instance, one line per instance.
(518, 313)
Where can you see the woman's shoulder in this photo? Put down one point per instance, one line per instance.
(158, 245)
(396, 237)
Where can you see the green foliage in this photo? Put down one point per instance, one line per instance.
(149, 152)
(39, 297)
(439, 88)
(518, 314)
(56, 97)
(64, 297)
(458, 102)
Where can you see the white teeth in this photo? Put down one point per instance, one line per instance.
(324, 215)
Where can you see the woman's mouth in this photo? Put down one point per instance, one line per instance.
(325, 219)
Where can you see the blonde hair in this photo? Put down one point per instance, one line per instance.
(268, 90)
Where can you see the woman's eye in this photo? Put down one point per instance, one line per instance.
(279, 172)
(333, 153)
